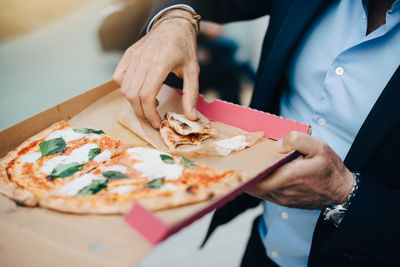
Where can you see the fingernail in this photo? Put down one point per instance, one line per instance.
(278, 144)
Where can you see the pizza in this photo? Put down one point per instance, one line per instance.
(82, 170)
(176, 129)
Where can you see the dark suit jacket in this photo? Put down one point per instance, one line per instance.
(370, 232)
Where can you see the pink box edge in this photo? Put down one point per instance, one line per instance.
(154, 230)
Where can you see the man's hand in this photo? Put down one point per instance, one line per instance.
(169, 47)
(318, 178)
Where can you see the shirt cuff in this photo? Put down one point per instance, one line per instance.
(163, 11)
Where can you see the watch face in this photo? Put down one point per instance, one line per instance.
(338, 215)
(335, 216)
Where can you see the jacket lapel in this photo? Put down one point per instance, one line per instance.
(383, 117)
(299, 16)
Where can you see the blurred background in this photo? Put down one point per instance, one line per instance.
(52, 50)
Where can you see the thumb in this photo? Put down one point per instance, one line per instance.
(302, 142)
(190, 92)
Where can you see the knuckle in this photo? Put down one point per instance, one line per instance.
(117, 78)
(324, 148)
(133, 97)
(293, 137)
(288, 173)
(193, 68)
(123, 91)
(144, 96)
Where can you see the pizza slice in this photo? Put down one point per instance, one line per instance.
(172, 139)
(81, 170)
(184, 126)
(176, 130)
(155, 179)
(48, 159)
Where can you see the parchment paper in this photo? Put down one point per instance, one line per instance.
(170, 100)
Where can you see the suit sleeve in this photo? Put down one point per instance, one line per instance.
(220, 11)
(370, 229)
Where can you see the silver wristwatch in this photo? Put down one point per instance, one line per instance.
(335, 213)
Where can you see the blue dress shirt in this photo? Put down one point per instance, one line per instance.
(336, 75)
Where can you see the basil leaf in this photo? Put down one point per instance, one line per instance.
(114, 175)
(93, 153)
(167, 159)
(87, 131)
(156, 183)
(188, 163)
(52, 146)
(93, 188)
(66, 170)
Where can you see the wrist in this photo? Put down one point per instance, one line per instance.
(180, 15)
(347, 188)
(336, 212)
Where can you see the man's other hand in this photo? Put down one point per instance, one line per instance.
(169, 47)
(316, 179)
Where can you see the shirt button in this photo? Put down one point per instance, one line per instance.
(274, 254)
(284, 215)
(364, 16)
(339, 71)
(321, 121)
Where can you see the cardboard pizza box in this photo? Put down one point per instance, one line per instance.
(41, 237)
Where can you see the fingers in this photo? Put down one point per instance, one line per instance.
(122, 68)
(132, 84)
(287, 175)
(302, 142)
(148, 93)
(190, 91)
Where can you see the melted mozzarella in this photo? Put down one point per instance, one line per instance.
(152, 166)
(69, 135)
(79, 155)
(30, 157)
(72, 188)
(168, 187)
(123, 189)
(117, 168)
(103, 156)
(66, 134)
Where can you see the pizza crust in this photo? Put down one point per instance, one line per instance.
(180, 124)
(91, 204)
(11, 189)
(117, 204)
(173, 139)
(113, 203)
(181, 198)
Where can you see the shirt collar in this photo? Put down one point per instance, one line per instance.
(395, 6)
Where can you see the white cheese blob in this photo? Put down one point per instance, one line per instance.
(69, 135)
(72, 188)
(168, 187)
(66, 134)
(103, 156)
(79, 155)
(123, 189)
(152, 166)
(30, 157)
(116, 168)
(236, 143)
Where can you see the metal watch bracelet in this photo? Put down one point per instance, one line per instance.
(335, 213)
